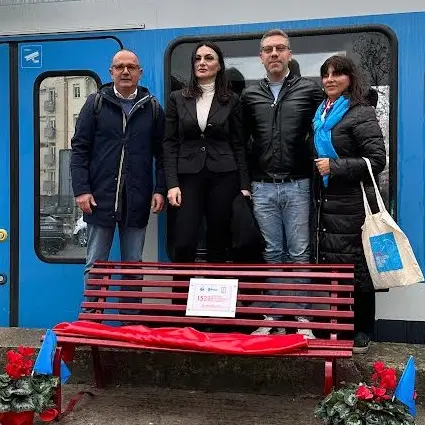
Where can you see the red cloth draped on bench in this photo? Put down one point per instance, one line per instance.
(186, 339)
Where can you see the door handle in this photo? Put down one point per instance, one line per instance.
(3, 235)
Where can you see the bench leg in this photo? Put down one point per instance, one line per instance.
(330, 375)
(97, 367)
(57, 398)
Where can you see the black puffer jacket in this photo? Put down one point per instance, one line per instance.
(339, 207)
(280, 129)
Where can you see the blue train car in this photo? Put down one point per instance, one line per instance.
(53, 53)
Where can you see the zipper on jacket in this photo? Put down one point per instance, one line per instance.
(319, 212)
(124, 125)
(117, 192)
(139, 103)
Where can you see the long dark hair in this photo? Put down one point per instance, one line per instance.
(357, 89)
(222, 87)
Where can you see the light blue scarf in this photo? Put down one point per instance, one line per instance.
(323, 126)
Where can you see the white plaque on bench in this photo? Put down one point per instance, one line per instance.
(212, 297)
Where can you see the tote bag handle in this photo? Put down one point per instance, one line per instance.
(378, 196)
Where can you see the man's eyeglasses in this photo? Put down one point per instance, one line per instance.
(130, 68)
(280, 48)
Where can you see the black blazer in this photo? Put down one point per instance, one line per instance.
(220, 147)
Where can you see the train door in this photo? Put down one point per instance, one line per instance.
(55, 77)
(4, 187)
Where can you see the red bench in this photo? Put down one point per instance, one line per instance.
(110, 281)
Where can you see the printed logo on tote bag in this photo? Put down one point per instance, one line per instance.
(385, 252)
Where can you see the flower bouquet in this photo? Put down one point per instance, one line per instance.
(22, 393)
(362, 404)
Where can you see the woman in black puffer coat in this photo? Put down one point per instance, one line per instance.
(339, 201)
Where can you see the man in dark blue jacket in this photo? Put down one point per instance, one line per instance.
(117, 137)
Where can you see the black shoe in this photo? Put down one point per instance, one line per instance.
(361, 343)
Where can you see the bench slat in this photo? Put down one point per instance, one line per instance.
(225, 273)
(239, 310)
(318, 353)
(330, 344)
(213, 321)
(241, 285)
(183, 296)
(229, 266)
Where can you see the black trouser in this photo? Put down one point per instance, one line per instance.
(211, 194)
(364, 312)
(364, 315)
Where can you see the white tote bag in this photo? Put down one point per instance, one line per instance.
(388, 253)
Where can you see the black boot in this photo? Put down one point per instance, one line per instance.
(361, 343)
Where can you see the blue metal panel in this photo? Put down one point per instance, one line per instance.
(4, 183)
(411, 135)
(49, 293)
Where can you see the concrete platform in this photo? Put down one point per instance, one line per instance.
(211, 373)
(159, 406)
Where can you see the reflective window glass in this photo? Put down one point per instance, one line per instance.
(76, 88)
(62, 232)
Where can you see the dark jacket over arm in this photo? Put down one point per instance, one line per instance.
(239, 145)
(171, 142)
(158, 135)
(366, 141)
(81, 145)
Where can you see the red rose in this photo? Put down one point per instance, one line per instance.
(388, 379)
(27, 366)
(26, 351)
(13, 370)
(20, 362)
(379, 367)
(13, 356)
(364, 393)
(379, 394)
(378, 391)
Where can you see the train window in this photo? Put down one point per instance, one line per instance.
(60, 230)
(374, 49)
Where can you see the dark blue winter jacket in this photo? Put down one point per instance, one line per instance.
(102, 153)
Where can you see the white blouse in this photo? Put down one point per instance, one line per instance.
(203, 104)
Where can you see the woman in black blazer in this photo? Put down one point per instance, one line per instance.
(204, 156)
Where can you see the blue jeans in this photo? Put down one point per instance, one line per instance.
(99, 242)
(282, 211)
